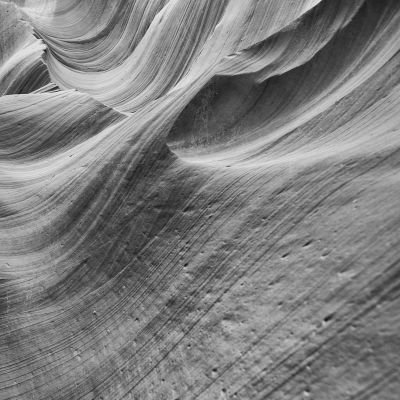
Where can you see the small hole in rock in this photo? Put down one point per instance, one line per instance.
(328, 318)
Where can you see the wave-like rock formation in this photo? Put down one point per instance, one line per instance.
(199, 199)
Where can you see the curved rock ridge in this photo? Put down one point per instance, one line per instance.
(199, 199)
(21, 66)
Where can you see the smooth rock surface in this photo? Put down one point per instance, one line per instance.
(199, 199)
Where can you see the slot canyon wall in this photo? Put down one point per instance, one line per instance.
(199, 199)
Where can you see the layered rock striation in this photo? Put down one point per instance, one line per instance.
(199, 199)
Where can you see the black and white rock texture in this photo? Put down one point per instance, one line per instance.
(200, 199)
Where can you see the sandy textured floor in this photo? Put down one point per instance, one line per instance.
(200, 199)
